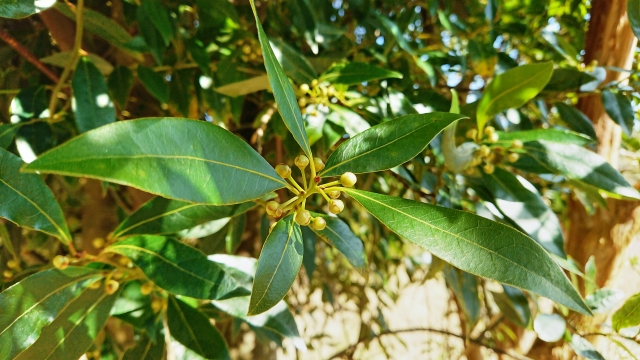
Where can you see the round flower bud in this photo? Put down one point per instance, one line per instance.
(156, 305)
(12, 264)
(472, 133)
(283, 170)
(303, 217)
(484, 151)
(302, 102)
(147, 288)
(348, 179)
(334, 194)
(314, 83)
(272, 207)
(96, 284)
(513, 157)
(489, 130)
(60, 262)
(318, 163)
(302, 161)
(7, 273)
(319, 223)
(304, 88)
(488, 168)
(493, 138)
(336, 206)
(98, 243)
(246, 49)
(111, 287)
(517, 144)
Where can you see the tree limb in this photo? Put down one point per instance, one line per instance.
(28, 55)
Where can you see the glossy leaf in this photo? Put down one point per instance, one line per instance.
(603, 300)
(549, 327)
(294, 64)
(628, 315)
(354, 73)
(514, 305)
(339, 234)
(75, 329)
(553, 135)
(474, 244)
(7, 132)
(193, 330)
(578, 163)
(512, 89)
(633, 12)
(120, 83)
(583, 348)
(171, 157)
(520, 201)
(163, 216)
(27, 201)
(154, 83)
(387, 145)
(576, 119)
(16, 9)
(620, 109)
(282, 90)
(178, 268)
(278, 266)
(93, 107)
(35, 302)
(146, 349)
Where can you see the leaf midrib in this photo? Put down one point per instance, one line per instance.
(468, 241)
(140, 223)
(184, 320)
(353, 252)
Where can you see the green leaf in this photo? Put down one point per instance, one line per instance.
(33, 303)
(603, 300)
(512, 89)
(175, 158)
(583, 348)
(162, 216)
(180, 90)
(154, 83)
(549, 327)
(282, 90)
(244, 87)
(146, 349)
(339, 235)
(474, 244)
(93, 107)
(553, 135)
(570, 79)
(159, 16)
(16, 9)
(61, 59)
(620, 109)
(353, 73)
(387, 145)
(7, 132)
(120, 83)
(628, 315)
(633, 12)
(576, 119)
(178, 268)
(309, 239)
(578, 163)
(278, 266)
(27, 201)
(302, 16)
(465, 286)
(514, 305)
(519, 200)
(294, 64)
(75, 329)
(193, 330)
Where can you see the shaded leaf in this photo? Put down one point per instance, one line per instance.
(245, 87)
(159, 17)
(570, 79)
(61, 59)
(154, 83)
(7, 132)
(163, 216)
(16, 9)
(180, 90)
(514, 305)
(628, 315)
(146, 349)
(387, 145)
(120, 83)
(576, 119)
(178, 268)
(512, 89)
(620, 109)
(474, 244)
(193, 330)
(633, 12)
(171, 157)
(353, 73)
(309, 253)
(27, 201)
(93, 107)
(465, 286)
(278, 266)
(339, 234)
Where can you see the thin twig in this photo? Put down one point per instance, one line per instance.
(71, 65)
(353, 347)
(11, 41)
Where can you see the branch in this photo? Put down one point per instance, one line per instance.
(11, 41)
(353, 347)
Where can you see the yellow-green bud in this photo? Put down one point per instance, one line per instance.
(513, 157)
(246, 49)
(314, 83)
(489, 130)
(484, 151)
(472, 133)
(272, 207)
(111, 287)
(303, 217)
(348, 179)
(7, 273)
(304, 88)
(302, 161)
(318, 163)
(12, 264)
(60, 262)
(147, 288)
(493, 138)
(319, 223)
(283, 170)
(334, 194)
(157, 305)
(336, 206)
(517, 144)
(96, 284)
(488, 168)
(302, 101)
(98, 243)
